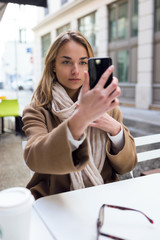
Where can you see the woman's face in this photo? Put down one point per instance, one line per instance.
(70, 64)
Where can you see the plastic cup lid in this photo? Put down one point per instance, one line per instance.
(14, 197)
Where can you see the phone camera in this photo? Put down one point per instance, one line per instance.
(98, 61)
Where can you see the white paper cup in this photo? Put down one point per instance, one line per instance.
(15, 213)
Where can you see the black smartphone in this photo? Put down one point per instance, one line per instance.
(96, 67)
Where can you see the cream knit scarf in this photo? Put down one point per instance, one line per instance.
(63, 107)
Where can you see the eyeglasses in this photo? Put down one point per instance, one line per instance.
(100, 220)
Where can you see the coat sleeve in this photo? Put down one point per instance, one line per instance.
(126, 159)
(49, 152)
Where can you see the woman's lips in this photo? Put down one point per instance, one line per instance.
(74, 79)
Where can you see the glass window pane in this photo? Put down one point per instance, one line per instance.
(88, 27)
(46, 11)
(135, 18)
(122, 63)
(123, 21)
(22, 35)
(46, 41)
(157, 15)
(112, 23)
(63, 29)
(63, 1)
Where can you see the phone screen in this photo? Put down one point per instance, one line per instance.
(96, 67)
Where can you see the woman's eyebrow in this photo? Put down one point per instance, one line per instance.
(82, 58)
(66, 57)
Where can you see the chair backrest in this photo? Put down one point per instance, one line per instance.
(9, 107)
(147, 140)
(147, 154)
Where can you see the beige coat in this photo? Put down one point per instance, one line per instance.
(49, 155)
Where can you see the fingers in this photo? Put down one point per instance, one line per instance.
(114, 87)
(93, 124)
(114, 104)
(85, 86)
(113, 90)
(101, 83)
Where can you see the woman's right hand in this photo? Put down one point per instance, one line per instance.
(94, 102)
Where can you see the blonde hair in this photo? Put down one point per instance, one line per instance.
(43, 95)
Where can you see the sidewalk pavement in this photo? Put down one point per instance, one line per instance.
(141, 115)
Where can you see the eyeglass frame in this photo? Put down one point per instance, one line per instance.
(101, 221)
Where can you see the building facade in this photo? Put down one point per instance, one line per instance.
(16, 44)
(126, 30)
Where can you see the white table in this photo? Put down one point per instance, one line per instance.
(38, 229)
(73, 215)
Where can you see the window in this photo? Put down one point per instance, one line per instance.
(134, 27)
(123, 20)
(63, 1)
(22, 35)
(157, 15)
(63, 29)
(46, 11)
(123, 44)
(87, 26)
(122, 62)
(156, 68)
(45, 41)
(123, 16)
(112, 23)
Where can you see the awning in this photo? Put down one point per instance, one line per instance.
(2, 9)
(39, 3)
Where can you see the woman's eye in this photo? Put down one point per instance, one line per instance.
(66, 62)
(83, 63)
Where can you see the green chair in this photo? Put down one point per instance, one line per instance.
(8, 108)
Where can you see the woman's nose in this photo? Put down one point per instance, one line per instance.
(75, 69)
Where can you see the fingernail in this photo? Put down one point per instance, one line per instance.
(111, 68)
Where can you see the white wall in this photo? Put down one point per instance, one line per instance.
(14, 55)
(145, 54)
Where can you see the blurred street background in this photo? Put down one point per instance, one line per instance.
(126, 30)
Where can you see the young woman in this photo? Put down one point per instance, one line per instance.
(75, 136)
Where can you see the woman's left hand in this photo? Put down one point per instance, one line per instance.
(107, 124)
